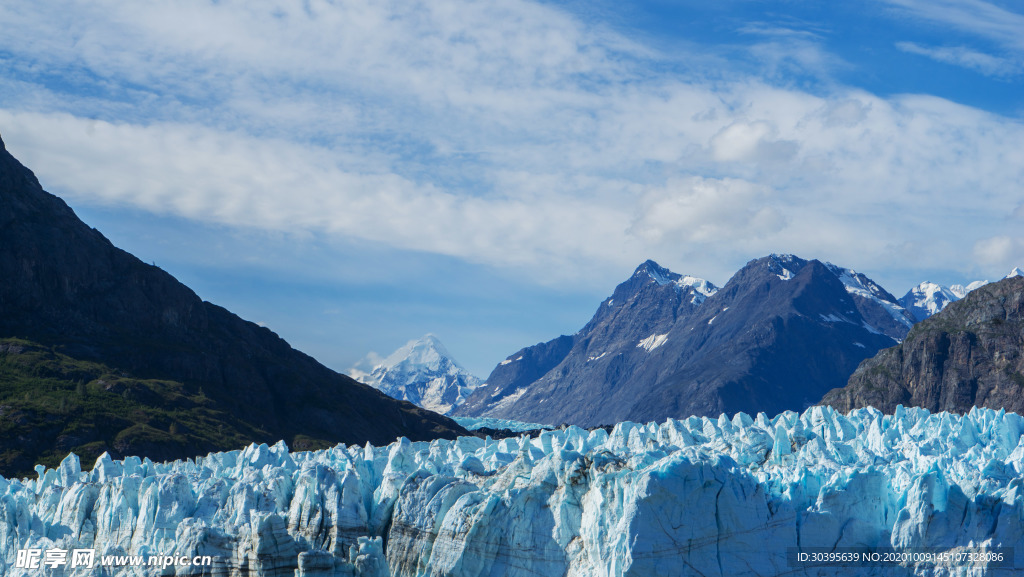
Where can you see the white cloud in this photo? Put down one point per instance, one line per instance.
(961, 56)
(751, 141)
(1000, 252)
(242, 181)
(503, 132)
(702, 210)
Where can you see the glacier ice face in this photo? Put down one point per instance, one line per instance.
(474, 423)
(696, 496)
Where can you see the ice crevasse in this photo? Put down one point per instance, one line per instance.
(696, 496)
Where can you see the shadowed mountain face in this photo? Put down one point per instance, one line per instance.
(969, 354)
(66, 288)
(778, 335)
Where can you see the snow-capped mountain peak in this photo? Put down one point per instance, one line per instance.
(426, 351)
(658, 273)
(422, 372)
(928, 298)
(663, 276)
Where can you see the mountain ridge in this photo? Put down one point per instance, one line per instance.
(67, 287)
(662, 348)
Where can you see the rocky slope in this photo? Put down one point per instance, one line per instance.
(969, 354)
(782, 332)
(424, 373)
(65, 287)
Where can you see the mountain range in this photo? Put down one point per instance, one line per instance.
(100, 351)
(613, 360)
(781, 333)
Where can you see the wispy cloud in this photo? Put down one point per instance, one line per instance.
(962, 56)
(999, 29)
(983, 19)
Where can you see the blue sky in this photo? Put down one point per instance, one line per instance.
(356, 174)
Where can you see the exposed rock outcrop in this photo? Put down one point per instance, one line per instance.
(967, 355)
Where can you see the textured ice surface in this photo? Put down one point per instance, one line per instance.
(474, 423)
(693, 497)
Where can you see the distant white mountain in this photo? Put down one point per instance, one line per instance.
(928, 298)
(961, 291)
(422, 372)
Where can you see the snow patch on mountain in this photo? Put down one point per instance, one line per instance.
(833, 318)
(693, 496)
(422, 372)
(652, 342)
(702, 288)
(858, 284)
(777, 265)
(510, 399)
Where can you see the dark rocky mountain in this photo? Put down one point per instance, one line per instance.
(74, 299)
(968, 354)
(779, 334)
(606, 350)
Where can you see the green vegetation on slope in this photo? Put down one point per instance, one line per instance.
(52, 404)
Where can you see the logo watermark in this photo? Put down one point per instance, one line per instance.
(38, 558)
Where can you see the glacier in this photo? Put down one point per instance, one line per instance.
(474, 423)
(696, 496)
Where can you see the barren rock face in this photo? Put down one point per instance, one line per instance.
(967, 355)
